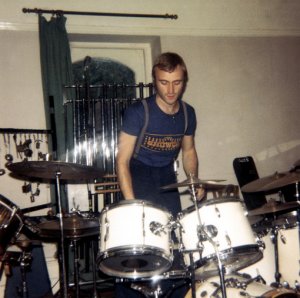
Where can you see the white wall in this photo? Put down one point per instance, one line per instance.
(246, 94)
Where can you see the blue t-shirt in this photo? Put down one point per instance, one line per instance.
(162, 139)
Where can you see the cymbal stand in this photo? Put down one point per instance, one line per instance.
(274, 238)
(193, 280)
(297, 195)
(95, 295)
(24, 263)
(202, 233)
(76, 268)
(63, 280)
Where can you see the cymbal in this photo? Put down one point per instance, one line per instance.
(259, 184)
(73, 226)
(289, 178)
(274, 207)
(206, 184)
(296, 164)
(49, 170)
(274, 181)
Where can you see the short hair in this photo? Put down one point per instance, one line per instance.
(168, 62)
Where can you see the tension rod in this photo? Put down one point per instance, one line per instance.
(106, 14)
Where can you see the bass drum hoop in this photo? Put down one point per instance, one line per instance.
(236, 257)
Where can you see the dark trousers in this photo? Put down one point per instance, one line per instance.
(147, 182)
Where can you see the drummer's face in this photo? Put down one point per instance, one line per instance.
(169, 85)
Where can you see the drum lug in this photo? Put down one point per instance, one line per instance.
(261, 244)
(106, 229)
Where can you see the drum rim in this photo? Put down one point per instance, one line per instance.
(111, 253)
(10, 205)
(136, 202)
(142, 249)
(214, 201)
(254, 249)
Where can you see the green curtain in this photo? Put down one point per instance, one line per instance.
(56, 67)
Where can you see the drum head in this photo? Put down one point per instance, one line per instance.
(233, 260)
(134, 262)
(140, 203)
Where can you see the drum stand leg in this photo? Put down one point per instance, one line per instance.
(24, 263)
(76, 269)
(222, 278)
(193, 280)
(277, 276)
(63, 280)
(202, 232)
(94, 269)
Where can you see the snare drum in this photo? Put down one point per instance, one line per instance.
(231, 234)
(10, 223)
(238, 287)
(134, 240)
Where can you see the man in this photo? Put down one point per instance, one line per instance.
(142, 172)
(153, 133)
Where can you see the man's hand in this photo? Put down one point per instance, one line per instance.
(200, 194)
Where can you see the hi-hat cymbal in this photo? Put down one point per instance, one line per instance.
(206, 184)
(274, 207)
(274, 181)
(49, 170)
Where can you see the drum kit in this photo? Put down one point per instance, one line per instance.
(214, 236)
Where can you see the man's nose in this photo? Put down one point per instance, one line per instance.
(171, 88)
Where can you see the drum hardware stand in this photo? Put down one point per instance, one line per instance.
(76, 268)
(202, 232)
(193, 280)
(24, 263)
(24, 259)
(274, 238)
(94, 270)
(76, 284)
(63, 280)
(147, 291)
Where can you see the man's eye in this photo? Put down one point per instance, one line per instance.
(163, 82)
(177, 83)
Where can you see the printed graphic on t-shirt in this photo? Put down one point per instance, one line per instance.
(161, 142)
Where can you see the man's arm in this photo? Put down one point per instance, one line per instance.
(125, 150)
(190, 162)
(189, 156)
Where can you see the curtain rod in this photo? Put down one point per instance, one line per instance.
(107, 14)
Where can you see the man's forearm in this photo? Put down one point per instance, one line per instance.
(125, 182)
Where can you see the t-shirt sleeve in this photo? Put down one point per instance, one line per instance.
(133, 119)
(192, 121)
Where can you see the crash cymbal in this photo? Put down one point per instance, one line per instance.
(296, 164)
(49, 169)
(206, 184)
(74, 226)
(274, 207)
(289, 178)
(259, 184)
